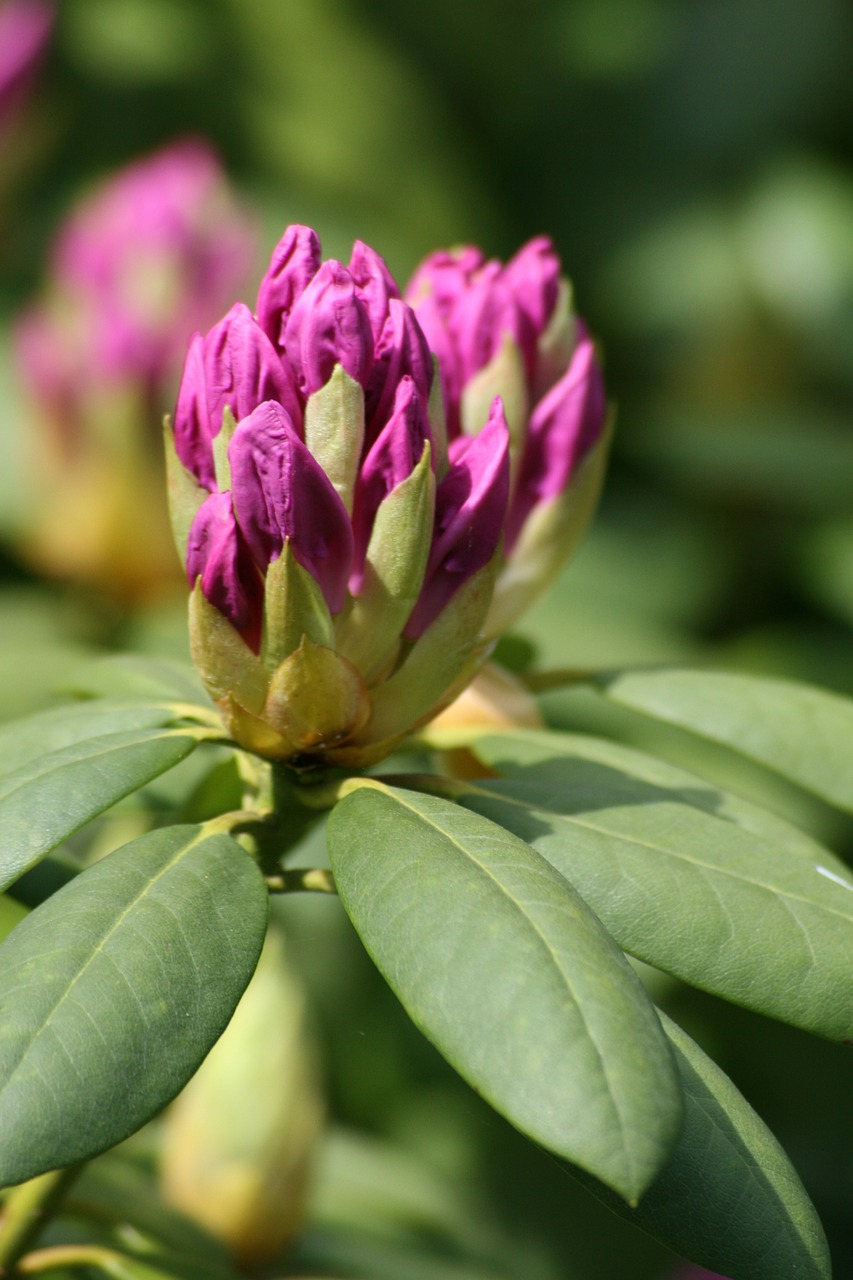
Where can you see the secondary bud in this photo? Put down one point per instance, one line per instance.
(509, 331)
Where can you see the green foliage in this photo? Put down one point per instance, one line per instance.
(503, 966)
(115, 989)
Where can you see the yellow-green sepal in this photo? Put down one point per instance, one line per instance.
(334, 431)
(221, 441)
(294, 606)
(549, 537)
(368, 632)
(316, 699)
(437, 423)
(226, 664)
(504, 376)
(557, 342)
(436, 669)
(185, 493)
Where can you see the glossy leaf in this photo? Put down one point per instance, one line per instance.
(28, 739)
(507, 971)
(135, 675)
(800, 731)
(114, 990)
(49, 798)
(729, 1198)
(11, 914)
(733, 912)
(509, 752)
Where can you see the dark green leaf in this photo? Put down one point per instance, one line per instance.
(113, 991)
(505, 969)
(49, 798)
(802, 732)
(510, 752)
(729, 1198)
(730, 911)
(11, 913)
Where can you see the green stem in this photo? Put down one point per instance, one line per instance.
(27, 1211)
(302, 880)
(543, 681)
(68, 1255)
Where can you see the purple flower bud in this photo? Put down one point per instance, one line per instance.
(401, 352)
(281, 493)
(294, 263)
(25, 27)
(470, 507)
(217, 554)
(563, 428)
(328, 325)
(396, 452)
(508, 331)
(236, 366)
(374, 284)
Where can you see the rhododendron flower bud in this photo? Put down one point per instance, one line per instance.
(509, 331)
(25, 26)
(342, 559)
(155, 252)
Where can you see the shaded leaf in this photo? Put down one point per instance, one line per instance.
(113, 991)
(729, 1198)
(800, 731)
(134, 675)
(49, 798)
(719, 906)
(505, 969)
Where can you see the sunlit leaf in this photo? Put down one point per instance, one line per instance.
(733, 912)
(113, 991)
(802, 732)
(54, 795)
(507, 971)
(729, 1198)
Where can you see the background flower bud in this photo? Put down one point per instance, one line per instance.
(238, 1142)
(509, 331)
(25, 27)
(339, 584)
(153, 253)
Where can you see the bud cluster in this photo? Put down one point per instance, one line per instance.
(342, 538)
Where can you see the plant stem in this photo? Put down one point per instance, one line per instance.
(67, 1255)
(27, 1211)
(302, 879)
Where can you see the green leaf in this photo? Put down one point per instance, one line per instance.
(802, 732)
(746, 917)
(11, 913)
(133, 675)
(510, 751)
(26, 740)
(113, 991)
(48, 798)
(506, 970)
(729, 1198)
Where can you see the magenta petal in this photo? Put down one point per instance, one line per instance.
(533, 278)
(483, 316)
(564, 426)
(470, 508)
(374, 284)
(281, 492)
(294, 263)
(394, 455)
(328, 325)
(193, 434)
(433, 323)
(243, 369)
(401, 351)
(230, 581)
(443, 276)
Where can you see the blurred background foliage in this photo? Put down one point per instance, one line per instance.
(693, 161)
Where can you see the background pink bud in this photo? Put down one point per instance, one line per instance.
(25, 27)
